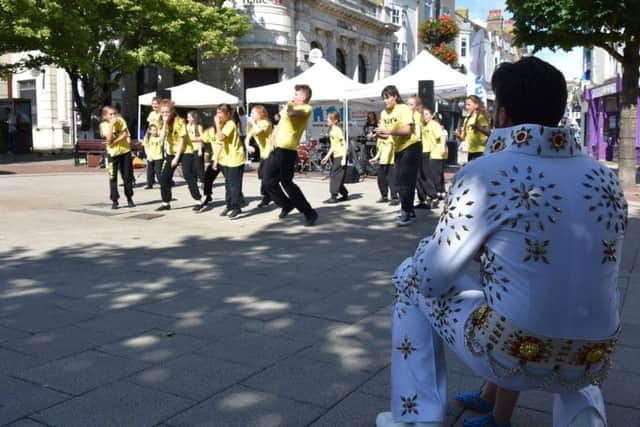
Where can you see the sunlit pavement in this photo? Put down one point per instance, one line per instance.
(134, 317)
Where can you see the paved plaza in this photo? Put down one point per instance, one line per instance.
(137, 318)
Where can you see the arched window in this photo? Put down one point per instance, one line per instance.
(362, 69)
(341, 63)
(316, 45)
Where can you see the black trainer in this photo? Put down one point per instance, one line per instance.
(163, 207)
(225, 212)
(234, 213)
(284, 212)
(114, 205)
(394, 202)
(130, 203)
(263, 203)
(343, 198)
(331, 200)
(382, 200)
(311, 219)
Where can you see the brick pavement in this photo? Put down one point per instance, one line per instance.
(132, 318)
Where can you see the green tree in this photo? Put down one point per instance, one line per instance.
(99, 41)
(613, 25)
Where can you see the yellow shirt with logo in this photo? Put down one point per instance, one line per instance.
(232, 152)
(476, 140)
(437, 145)
(385, 149)
(261, 132)
(122, 146)
(195, 131)
(153, 147)
(174, 134)
(418, 123)
(290, 128)
(400, 116)
(338, 147)
(154, 118)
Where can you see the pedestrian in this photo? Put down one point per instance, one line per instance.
(385, 175)
(285, 139)
(177, 149)
(154, 116)
(153, 151)
(397, 122)
(116, 134)
(228, 155)
(475, 128)
(259, 129)
(438, 152)
(338, 152)
(545, 313)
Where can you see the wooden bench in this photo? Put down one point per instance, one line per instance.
(92, 150)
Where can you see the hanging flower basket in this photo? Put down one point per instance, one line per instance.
(437, 31)
(444, 53)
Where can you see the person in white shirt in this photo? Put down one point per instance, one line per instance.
(546, 223)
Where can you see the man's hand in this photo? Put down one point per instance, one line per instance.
(214, 165)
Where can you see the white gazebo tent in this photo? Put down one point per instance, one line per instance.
(193, 94)
(448, 83)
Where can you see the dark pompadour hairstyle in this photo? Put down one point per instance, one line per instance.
(531, 91)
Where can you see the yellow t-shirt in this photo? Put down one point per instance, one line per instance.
(476, 140)
(387, 154)
(338, 147)
(232, 154)
(154, 118)
(400, 116)
(418, 123)
(153, 148)
(121, 147)
(173, 138)
(261, 132)
(437, 145)
(195, 131)
(290, 128)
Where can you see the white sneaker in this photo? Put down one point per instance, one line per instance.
(384, 419)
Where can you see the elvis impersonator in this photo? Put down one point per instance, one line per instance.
(545, 222)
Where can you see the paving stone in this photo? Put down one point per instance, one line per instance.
(7, 334)
(356, 410)
(252, 349)
(245, 407)
(26, 422)
(193, 376)
(305, 380)
(626, 359)
(214, 326)
(154, 346)
(61, 342)
(19, 399)
(620, 388)
(12, 361)
(43, 319)
(308, 329)
(347, 305)
(126, 323)
(630, 334)
(116, 404)
(80, 373)
(378, 385)
(621, 416)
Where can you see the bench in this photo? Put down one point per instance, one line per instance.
(92, 150)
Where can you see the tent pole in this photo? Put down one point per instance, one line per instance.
(139, 114)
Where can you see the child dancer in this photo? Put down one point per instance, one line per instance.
(153, 150)
(338, 150)
(229, 156)
(114, 130)
(260, 131)
(194, 129)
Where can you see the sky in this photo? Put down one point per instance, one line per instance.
(570, 63)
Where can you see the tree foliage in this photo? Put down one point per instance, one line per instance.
(99, 41)
(613, 25)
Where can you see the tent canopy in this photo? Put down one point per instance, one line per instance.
(326, 82)
(194, 94)
(448, 83)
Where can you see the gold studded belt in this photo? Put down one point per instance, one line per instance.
(511, 350)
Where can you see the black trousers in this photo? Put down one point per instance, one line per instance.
(261, 167)
(425, 184)
(154, 167)
(407, 162)
(121, 163)
(166, 178)
(233, 185)
(278, 176)
(190, 174)
(386, 181)
(198, 165)
(471, 156)
(437, 174)
(337, 175)
(210, 175)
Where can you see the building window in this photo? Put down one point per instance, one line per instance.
(395, 16)
(341, 63)
(396, 57)
(405, 57)
(464, 42)
(362, 69)
(27, 89)
(427, 9)
(316, 45)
